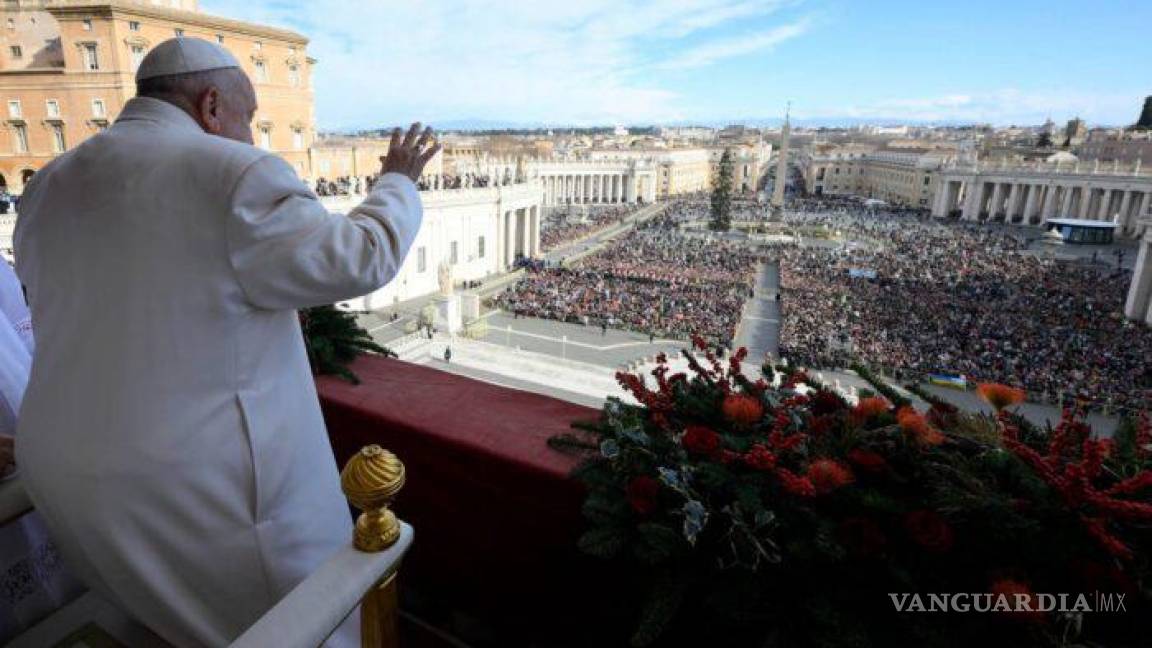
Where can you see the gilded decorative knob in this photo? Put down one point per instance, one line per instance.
(371, 480)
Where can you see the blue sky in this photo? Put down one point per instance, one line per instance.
(383, 62)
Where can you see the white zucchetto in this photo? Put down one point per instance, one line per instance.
(182, 56)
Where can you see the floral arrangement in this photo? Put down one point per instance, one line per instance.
(784, 516)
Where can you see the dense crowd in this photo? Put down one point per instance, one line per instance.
(357, 185)
(932, 297)
(656, 280)
(565, 227)
(897, 290)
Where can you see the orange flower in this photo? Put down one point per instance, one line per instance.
(1000, 396)
(916, 426)
(1016, 594)
(827, 475)
(871, 406)
(742, 409)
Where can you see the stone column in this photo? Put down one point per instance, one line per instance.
(940, 198)
(1066, 206)
(1145, 205)
(1121, 216)
(512, 243)
(1084, 209)
(997, 197)
(1013, 198)
(1136, 305)
(534, 232)
(1029, 203)
(525, 233)
(971, 188)
(1105, 203)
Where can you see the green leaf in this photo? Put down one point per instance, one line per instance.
(660, 607)
(657, 543)
(603, 542)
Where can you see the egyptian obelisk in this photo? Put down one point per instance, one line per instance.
(782, 165)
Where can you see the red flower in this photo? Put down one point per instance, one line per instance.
(820, 426)
(917, 427)
(700, 440)
(642, 492)
(867, 460)
(827, 475)
(929, 530)
(1000, 396)
(870, 407)
(860, 536)
(742, 409)
(826, 402)
(760, 458)
(1010, 589)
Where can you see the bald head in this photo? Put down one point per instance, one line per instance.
(222, 100)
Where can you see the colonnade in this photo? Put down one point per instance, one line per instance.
(1138, 306)
(1031, 201)
(518, 233)
(589, 188)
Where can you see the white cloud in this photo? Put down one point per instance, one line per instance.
(714, 51)
(382, 62)
(1000, 107)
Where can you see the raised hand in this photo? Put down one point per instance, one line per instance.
(408, 156)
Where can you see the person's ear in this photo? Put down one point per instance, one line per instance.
(209, 111)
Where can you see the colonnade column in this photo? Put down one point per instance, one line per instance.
(1105, 204)
(510, 236)
(997, 196)
(1136, 305)
(1125, 206)
(1066, 206)
(1013, 198)
(534, 232)
(525, 245)
(1029, 203)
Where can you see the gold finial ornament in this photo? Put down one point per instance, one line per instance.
(371, 480)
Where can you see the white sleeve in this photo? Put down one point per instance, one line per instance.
(288, 251)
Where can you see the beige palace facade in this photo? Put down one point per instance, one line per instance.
(67, 68)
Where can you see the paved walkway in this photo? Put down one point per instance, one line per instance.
(760, 327)
(611, 348)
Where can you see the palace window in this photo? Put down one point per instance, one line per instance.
(258, 46)
(137, 56)
(133, 25)
(59, 145)
(20, 138)
(53, 108)
(421, 259)
(17, 51)
(11, 23)
(179, 32)
(91, 60)
(98, 110)
(266, 137)
(14, 110)
(87, 24)
(261, 71)
(453, 258)
(297, 138)
(220, 38)
(480, 247)
(293, 76)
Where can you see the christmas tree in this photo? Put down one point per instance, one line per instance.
(334, 339)
(722, 195)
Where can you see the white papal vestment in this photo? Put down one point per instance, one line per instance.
(170, 433)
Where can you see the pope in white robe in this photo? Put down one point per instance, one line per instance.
(170, 433)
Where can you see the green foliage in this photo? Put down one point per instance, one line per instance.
(1145, 121)
(722, 195)
(333, 339)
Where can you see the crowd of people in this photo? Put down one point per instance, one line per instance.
(357, 185)
(887, 287)
(565, 227)
(920, 296)
(656, 280)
